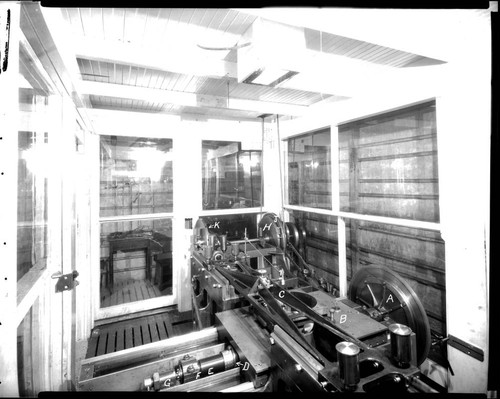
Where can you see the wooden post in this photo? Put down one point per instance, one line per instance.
(354, 198)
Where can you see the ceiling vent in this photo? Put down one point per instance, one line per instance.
(273, 55)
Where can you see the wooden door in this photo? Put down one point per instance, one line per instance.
(38, 215)
(135, 266)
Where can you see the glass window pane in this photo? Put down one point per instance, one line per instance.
(321, 246)
(34, 160)
(27, 354)
(136, 176)
(417, 255)
(388, 165)
(231, 177)
(136, 260)
(309, 170)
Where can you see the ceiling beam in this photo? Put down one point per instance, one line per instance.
(343, 76)
(188, 99)
(418, 31)
(178, 59)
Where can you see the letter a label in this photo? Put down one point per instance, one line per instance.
(389, 298)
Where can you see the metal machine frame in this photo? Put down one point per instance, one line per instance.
(266, 324)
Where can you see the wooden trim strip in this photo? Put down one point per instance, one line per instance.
(398, 156)
(400, 196)
(369, 218)
(395, 141)
(126, 218)
(405, 180)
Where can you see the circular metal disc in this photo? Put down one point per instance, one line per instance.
(381, 288)
(273, 230)
(293, 234)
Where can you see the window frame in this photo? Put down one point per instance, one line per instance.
(335, 211)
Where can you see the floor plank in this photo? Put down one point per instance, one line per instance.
(128, 338)
(120, 340)
(133, 295)
(126, 334)
(128, 291)
(110, 347)
(138, 292)
(146, 336)
(101, 346)
(152, 327)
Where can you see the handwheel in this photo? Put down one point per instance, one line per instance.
(380, 288)
(273, 230)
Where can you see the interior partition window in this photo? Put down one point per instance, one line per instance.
(388, 204)
(309, 170)
(321, 246)
(231, 175)
(136, 202)
(136, 176)
(388, 166)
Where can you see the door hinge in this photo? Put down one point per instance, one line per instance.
(66, 282)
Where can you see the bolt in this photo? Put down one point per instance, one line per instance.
(207, 277)
(271, 340)
(332, 315)
(298, 367)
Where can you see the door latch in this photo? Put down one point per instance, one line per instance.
(66, 282)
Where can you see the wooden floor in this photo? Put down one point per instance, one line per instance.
(129, 291)
(130, 333)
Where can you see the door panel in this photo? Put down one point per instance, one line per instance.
(36, 352)
(136, 204)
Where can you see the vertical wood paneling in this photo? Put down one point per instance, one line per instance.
(72, 15)
(115, 25)
(96, 23)
(153, 27)
(107, 21)
(197, 16)
(135, 20)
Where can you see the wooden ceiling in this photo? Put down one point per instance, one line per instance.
(152, 60)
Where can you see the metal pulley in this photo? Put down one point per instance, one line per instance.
(279, 234)
(385, 293)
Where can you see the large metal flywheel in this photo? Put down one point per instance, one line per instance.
(380, 289)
